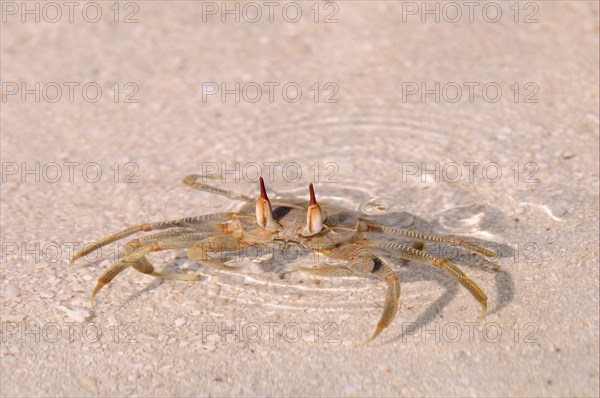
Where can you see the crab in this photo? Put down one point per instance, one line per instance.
(333, 231)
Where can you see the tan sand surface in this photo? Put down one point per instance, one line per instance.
(483, 123)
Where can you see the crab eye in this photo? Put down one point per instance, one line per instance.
(315, 217)
(264, 217)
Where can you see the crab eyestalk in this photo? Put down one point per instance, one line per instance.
(264, 216)
(314, 216)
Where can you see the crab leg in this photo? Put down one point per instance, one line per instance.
(144, 266)
(182, 222)
(410, 253)
(420, 237)
(172, 233)
(384, 272)
(197, 251)
(334, 270)
(363, 262)
(138, 254)
(200, 249)
(192, 182)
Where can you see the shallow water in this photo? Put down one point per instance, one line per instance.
(369, 152)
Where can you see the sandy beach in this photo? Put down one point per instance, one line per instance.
(477, 120)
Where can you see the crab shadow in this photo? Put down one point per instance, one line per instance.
(412, 272)
(417, 273)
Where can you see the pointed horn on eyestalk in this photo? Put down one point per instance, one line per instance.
(264, 217)
(315, 216)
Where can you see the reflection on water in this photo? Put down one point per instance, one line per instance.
(472, 218)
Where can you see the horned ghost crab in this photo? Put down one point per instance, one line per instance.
(333, 231)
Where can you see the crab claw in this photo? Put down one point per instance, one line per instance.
(314, 217)
(264, 217)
